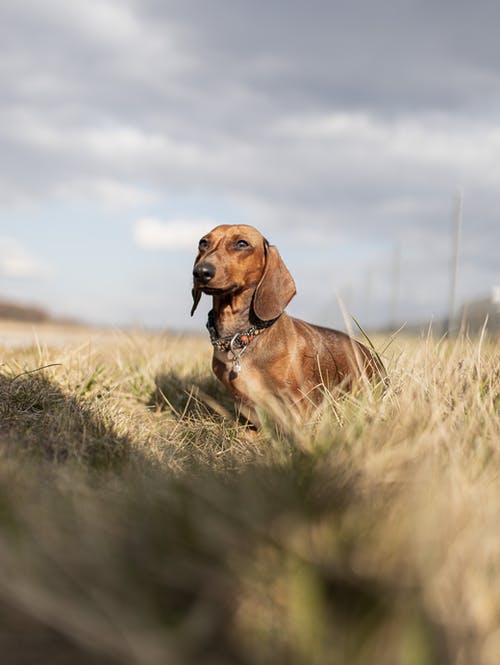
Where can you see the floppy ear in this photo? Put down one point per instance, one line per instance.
(196, 293)
(275, 289)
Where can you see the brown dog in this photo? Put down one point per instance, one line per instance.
(260, 351)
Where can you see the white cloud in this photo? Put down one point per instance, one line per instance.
(154, 233)
(109, 193)
(468, 149)
(18, 262)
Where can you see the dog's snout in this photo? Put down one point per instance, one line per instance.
(204, 272)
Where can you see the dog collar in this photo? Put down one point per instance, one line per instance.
(238, 341)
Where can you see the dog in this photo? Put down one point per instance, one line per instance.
(260, 353)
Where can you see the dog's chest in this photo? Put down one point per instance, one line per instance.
(236, 372)
(229, 366)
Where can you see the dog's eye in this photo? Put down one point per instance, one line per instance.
(241, 244)
(203, 244)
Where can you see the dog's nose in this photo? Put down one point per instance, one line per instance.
(203, 272)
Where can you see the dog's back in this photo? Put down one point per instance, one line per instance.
(337, 358)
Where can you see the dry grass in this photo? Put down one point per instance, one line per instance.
(139, 526)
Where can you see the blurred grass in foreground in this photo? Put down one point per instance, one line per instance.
(137, 525)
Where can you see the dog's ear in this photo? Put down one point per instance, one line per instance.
(196, 293)
(276, 287)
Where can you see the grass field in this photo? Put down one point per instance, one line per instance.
(139, 525)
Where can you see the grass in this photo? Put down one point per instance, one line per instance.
(139, 525)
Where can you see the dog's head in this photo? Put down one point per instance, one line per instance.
(235, 258)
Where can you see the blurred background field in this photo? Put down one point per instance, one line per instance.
(138, 525)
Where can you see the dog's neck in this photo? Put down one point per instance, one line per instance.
(232, 313)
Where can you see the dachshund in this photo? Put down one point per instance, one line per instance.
(260, 353)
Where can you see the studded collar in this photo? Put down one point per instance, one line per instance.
(238, 341)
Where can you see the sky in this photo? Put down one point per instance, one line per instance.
(344, 131)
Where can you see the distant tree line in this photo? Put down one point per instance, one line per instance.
(17, 312)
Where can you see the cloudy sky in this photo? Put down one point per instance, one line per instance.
(342, 130)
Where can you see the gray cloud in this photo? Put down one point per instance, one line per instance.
(360, 54)
(359, 120)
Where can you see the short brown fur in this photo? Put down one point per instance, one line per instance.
(291, 360)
